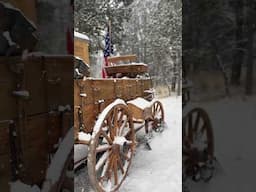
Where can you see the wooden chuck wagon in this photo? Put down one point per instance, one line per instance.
(108, 113)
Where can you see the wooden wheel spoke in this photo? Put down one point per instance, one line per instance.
(103, 148)
(102, 161)
(196, 124)
(109, 140)
(121, 129)
(103, 173)
(120, 164)
(115, 170)
(120, 119)
(115, 118)
(157, 107)
(109, 168)
(203, 128)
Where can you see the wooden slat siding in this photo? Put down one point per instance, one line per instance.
(54, 130)
(140, 88)
(147, 84)
(60, 92)
(89, 117)
(82, 49)
(76, 109)
(125, 58)
(52, 83)
(5, 169)
(103, 90)
(35, 149)
(7, 85)
(35, 84)
(87, 105)
(127, 88)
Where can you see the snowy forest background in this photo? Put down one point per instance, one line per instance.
(149, 29)
(218, 46)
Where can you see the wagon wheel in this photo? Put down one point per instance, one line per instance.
(198, 140)
(157, 115)
(111, 149)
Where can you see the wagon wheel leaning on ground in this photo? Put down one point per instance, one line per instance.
(158, 116)
(198, 144)
(111, 148)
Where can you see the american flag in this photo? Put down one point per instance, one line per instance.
(107, 51)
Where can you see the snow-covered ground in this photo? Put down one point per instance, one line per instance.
(233, 122)
(158, 170)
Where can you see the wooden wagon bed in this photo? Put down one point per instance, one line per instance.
(91, 96)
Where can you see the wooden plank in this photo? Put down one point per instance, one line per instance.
(59, 80)
(129, 58)
(81, 49)
(86, 89)
(89, 117)
(126, 89)
(126, 69)
(54, 130)
(35, 166)
(34, 149)
(35, 84)
(137, 113)
(103, 90)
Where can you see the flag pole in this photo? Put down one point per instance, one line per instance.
(110, 38)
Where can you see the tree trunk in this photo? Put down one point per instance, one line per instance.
(250, 35)
(238, 53)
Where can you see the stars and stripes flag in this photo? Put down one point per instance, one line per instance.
(107, 52)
